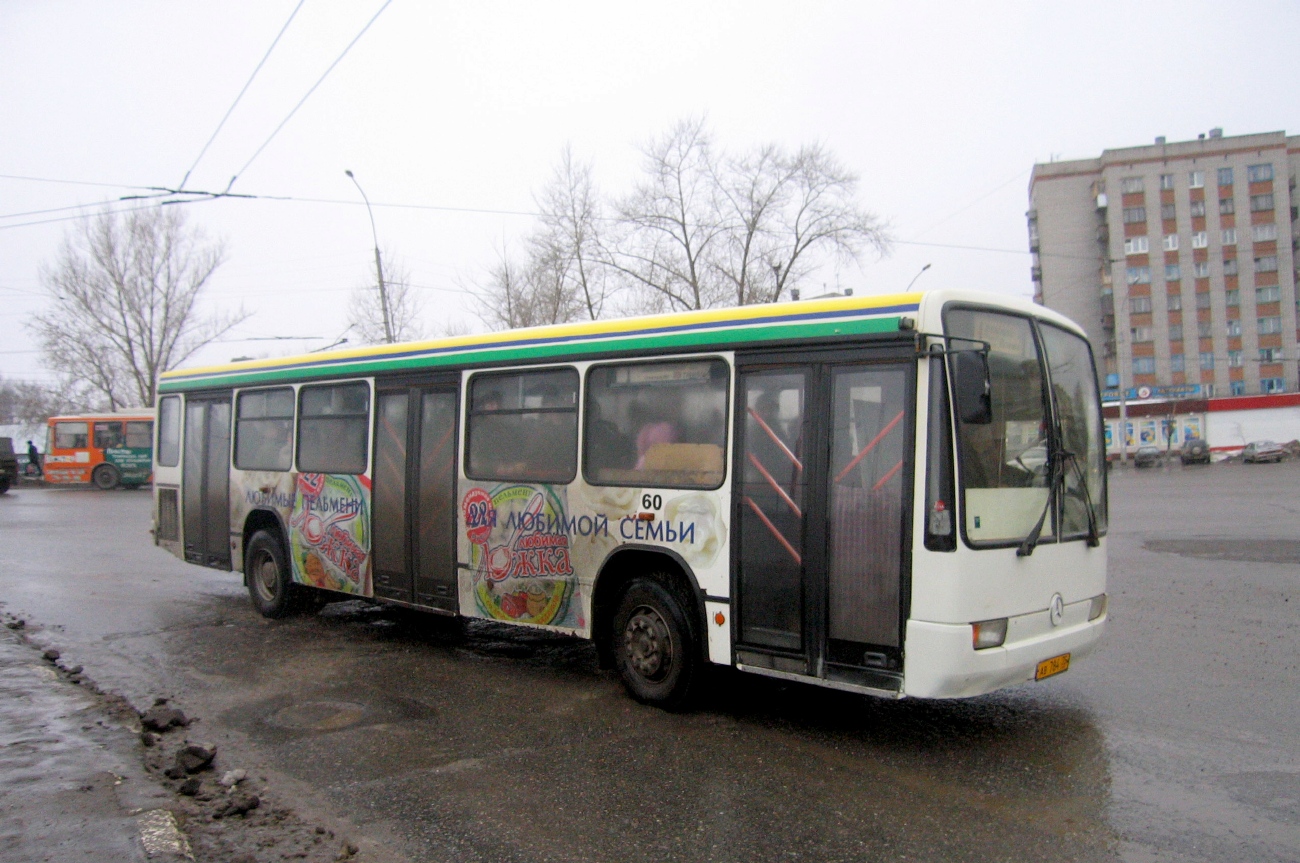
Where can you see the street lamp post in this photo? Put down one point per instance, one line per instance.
(914, 278)
(379, 266)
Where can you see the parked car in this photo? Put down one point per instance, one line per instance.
(1262, 451)
(8, 464)
(1147, 456)
(1195, 451)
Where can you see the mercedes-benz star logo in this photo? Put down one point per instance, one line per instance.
(1056, 610)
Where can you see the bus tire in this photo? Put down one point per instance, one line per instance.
(270, 584)
(106, 477)
(654, 645)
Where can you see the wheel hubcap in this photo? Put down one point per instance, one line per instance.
(266, 574)
(648, 643)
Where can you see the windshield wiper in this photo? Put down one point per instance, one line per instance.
(1054, 472)
(1094, 536)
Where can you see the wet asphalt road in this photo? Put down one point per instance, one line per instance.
(1178, 740)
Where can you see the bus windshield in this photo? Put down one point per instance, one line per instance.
(1012, 466)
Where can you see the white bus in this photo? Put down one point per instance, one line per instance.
(895, 495)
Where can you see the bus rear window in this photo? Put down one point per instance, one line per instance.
(139, 434)
(169, 431)
(334, 432)
(662, 425)
(71, 435)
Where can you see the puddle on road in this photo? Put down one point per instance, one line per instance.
(1244, 550)
(318, 715)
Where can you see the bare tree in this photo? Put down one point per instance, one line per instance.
(670, 223)
(28, 403)
(526, 295)
(125, 291)
(405, 306)
(568, 241)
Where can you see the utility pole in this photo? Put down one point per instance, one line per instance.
(379, 265)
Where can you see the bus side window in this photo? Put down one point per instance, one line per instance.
(169, 431)
(334, 429)
(139, 434)
(71, 435)
(264, 430)
(523, 427)
(108, 435)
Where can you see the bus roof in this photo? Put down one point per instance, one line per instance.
(124, 414)
(682, 331)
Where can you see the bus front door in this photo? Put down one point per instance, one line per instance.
(822, 479)
(205, 482)
(415, 496)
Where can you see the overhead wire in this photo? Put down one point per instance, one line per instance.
(307, 95)
(247, 84)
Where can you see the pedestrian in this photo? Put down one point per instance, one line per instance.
(34, 459)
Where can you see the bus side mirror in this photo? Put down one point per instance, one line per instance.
(971, 386)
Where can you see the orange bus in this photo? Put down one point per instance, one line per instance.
(108, 449)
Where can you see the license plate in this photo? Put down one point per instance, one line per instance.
(1055, 665)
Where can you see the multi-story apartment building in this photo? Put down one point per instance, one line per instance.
(1179, 260)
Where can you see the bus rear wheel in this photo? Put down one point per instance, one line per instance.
(270, 584)
(106, 477)
(654, 647)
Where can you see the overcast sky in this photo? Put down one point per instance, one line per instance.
(942, 109)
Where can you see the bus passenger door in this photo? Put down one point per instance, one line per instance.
(415, 496)
(205, 483)
(821, 485)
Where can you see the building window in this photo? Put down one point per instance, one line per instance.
(1225, 176)
(1140, 334)
(1227, 207)
(1230, 266)
(1175, 303)
(1207, 361)
(1234, 327)
(1138, 305)
(1236, 388)
(1232, 297)
(1261, 203)
(1204, 329)
(1207, 390)
(1173, 272)
(1137, 245)
(1129, 185)
(1197, 209)
(1196, 179)
(1201, 269)
(1266, 264)
(1200, 240)
(1144, 365)
(1134, 215)
(1202, 301)
(1269, 325)
(523, 426)
(1229, 236)
(1176, 363)
(1270, 294)
(1234, 359)
(1139, 275)
(1175, 332)
(1272, 385)
(1259, 173)
(1264, 233)
(1270, 355)
(1166, 182)
(1168, 212)
(1171, 242)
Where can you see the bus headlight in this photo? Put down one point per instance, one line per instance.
(1098, 607)
(988, 633)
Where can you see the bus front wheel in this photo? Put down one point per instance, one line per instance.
(654, 647)
(270, 584)
(106, 477)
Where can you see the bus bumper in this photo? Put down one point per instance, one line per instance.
(941, 662)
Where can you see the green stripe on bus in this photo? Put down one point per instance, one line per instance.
(596, 345)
